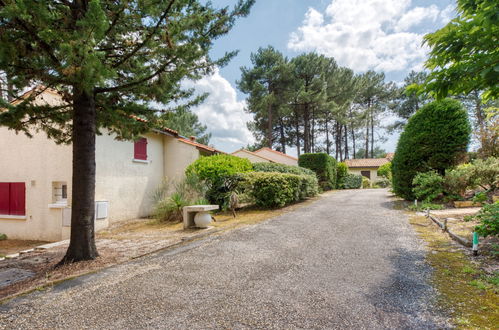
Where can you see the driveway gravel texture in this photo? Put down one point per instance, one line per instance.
(348, 260)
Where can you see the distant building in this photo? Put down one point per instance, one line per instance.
(266, 155)
(367, 167)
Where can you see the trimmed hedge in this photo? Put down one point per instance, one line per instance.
(341, 173)
(323, 165)
(353, 181)
(435, 138)
(274, 189)
(214, 168)
(282, 168)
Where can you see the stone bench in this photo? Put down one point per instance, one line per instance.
(189, 212)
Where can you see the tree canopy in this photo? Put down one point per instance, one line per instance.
(464, 55)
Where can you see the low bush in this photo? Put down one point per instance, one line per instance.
(489, 220)
(282, 168)
(425, 206)
(366, 183)
(353, 181)
(385, 171)
(382, 182)
(485, 173)
(3, 237)
(323, 165)
(341, 173)
(428, 186)
(171, 196)
(214, 168)
(220, 192)
(274, 189)
(457, 181)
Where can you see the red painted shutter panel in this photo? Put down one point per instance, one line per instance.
(140, 149)
(17, 198)
(4, 198)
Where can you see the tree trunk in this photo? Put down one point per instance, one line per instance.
(82, 242)
(297, 128)
(269, 127)
(353, 143)
(306, 130)
(346, 141)
(327, 137)
(339, 137)
(372, 136)
(283, 137)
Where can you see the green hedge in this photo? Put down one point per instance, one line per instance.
(341, 173)
(274, 189)
(214, 168)
(435, 138)
(323, 165)
(353, 181)
(385, 170)
(282, 168)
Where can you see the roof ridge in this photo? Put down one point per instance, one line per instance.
(255, 154)
(277, 152)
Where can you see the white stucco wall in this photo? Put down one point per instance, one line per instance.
(276, 157)
(128, 185)
(37, 162)
(177, 156)
(252, 158)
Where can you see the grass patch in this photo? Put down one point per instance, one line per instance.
(465, 290)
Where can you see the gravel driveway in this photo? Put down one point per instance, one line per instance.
(346, 261)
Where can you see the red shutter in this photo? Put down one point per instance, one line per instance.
(140, 149)
(17, 198)
(4, 197)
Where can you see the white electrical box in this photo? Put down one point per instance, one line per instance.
(101, 210)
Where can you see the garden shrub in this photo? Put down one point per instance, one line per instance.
(428, 186)
(3, 236)
(366, 183)
(382, 182)
(274, 189)
(341, 173)
(457, 181)
(323, 165)
(282, 168)
(385, 171)
(426, 206)
(213, 168)
(489, 220)
(220, 191)
(435, 138)
(353, 181)
(485, 173)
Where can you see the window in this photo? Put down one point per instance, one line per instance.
(140, 149)
(59, 192)
(12, 198)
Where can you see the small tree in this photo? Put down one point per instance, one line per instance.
(435, 138)
(107, 59)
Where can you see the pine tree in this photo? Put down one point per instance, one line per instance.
(107, 59)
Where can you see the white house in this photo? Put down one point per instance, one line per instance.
(367, 167)
(35, 178)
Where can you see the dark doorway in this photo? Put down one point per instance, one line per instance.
(367, 174)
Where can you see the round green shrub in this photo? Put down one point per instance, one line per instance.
(435, 138)
(341, 173)
(213, 168)
(323, 165)
(366, 183)
(428, 186)
(353, 181)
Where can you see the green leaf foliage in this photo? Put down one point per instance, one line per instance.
(385, 170)
(214, 168)
(489, 220)
(464, 53)
(341, 173)
(435, 138)
(274, 189)
(282, 168)
(323, 165)
(353, 181)
(428, 186)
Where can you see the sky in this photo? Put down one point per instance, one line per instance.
(380, 35)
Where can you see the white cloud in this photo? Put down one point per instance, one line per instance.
(222, 113)
(447, 14)
(368, 34)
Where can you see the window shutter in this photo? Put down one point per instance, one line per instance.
(4, 197)
(140, 149)
(17, 198)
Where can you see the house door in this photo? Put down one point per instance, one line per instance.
(367, 174)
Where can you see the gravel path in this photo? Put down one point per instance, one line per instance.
(346, 261)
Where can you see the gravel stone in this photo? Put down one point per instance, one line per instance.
(349, 260)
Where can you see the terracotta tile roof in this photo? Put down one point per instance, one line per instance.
(254, 154)
(198, 145)
(390, 155)
(276, 152)
(366, 162)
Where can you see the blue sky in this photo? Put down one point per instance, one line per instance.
(383, 35)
